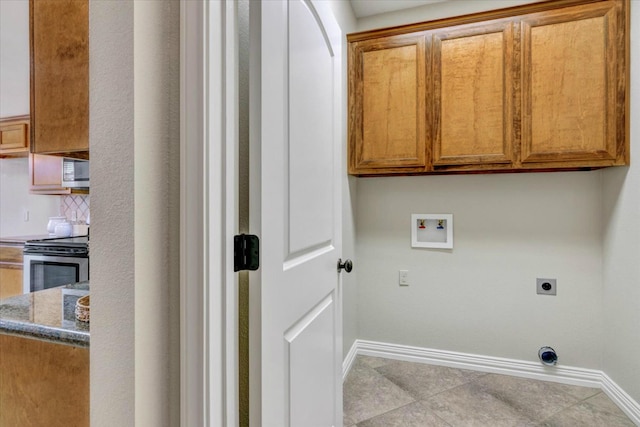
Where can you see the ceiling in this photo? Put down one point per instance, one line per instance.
(363, 8)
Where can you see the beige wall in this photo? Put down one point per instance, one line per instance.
(112, 224)
(157, 210)
(621, 225)
(134, 145)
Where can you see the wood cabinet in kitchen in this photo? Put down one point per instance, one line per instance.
(60, 77)
(14, 136)
(43, 383)
(11, 268)
(536, 87)
(45, 173)
(44, 359)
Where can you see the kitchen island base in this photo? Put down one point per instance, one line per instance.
(43, 383)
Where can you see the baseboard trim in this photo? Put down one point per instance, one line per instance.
(621, 398)
(349, 359)
(496, 365)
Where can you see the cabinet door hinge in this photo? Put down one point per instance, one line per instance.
(246, 252)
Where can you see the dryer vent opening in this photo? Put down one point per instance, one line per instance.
(548, 356)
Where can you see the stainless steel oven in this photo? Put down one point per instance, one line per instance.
(54, 262)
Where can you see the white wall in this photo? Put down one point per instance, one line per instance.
(14, 58)
(435, 11)
(347, 21)
(480, 297)
(15, 200)
(621, 224)
(134, 138)
(14, 101)
(508, 230)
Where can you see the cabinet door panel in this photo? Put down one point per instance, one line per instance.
(11, 265)
(46, 171)
(473, 93)
(60, 76)
(569, 84)
(14, 136)
(42, 383)
(10, 280)
(387, 103)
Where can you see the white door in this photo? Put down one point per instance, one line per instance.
(296, 319)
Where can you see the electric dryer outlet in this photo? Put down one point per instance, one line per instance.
(546, 286)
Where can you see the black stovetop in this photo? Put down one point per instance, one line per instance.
(60, 241)
(65, 246)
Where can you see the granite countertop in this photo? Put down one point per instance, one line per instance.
(21, 240)
(47, 315)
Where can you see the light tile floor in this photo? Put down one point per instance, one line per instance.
(388, 393)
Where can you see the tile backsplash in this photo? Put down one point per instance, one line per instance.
(77, 203)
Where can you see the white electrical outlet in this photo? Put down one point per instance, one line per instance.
(25, 215)
(403, 278)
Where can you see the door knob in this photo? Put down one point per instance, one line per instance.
(347, 265)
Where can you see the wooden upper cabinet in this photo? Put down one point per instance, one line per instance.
(543, 86)
(14, 136)
(473, 95)
(60, 77)
(570, 84)
(387, 104)
(45, 175)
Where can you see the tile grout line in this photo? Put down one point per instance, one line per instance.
(384, 413)
(580, 402)
(562, 410)
(393, 383)
(440, 392)
(404, 406)
(418, 399)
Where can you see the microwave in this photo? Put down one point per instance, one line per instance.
(75, 173)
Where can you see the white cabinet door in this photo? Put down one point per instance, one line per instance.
(296, 323)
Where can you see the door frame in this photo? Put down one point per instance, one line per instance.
(208, 213)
